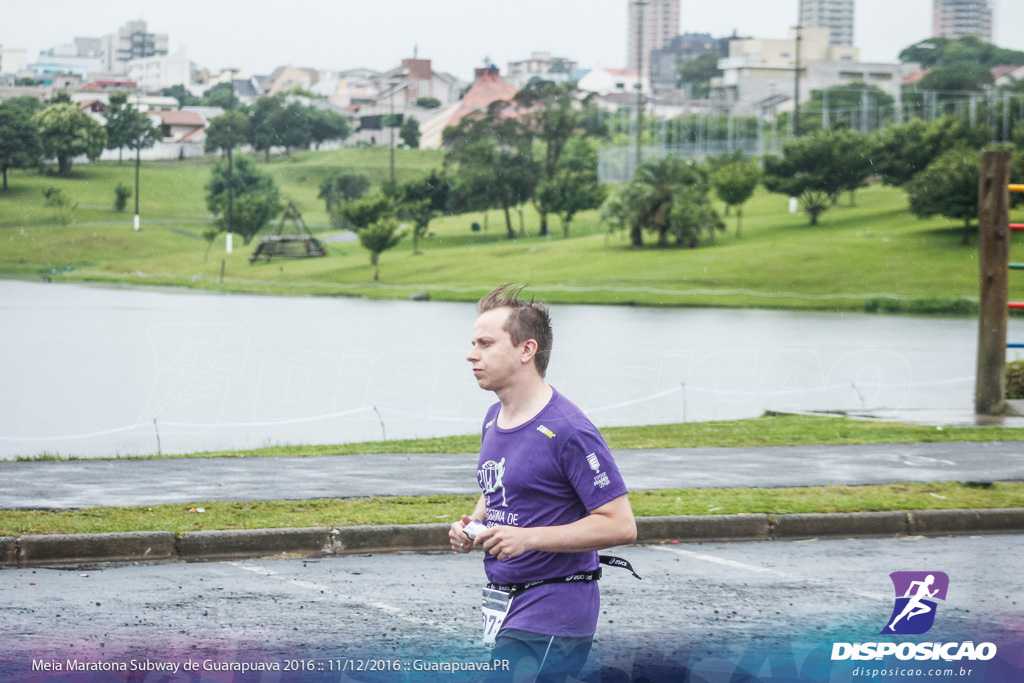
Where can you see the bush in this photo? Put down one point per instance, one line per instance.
(121, 195)
(922, 306)
(1015, 379)
(62, 203)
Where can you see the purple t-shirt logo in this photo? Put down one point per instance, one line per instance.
(916, 592)
(490, 476)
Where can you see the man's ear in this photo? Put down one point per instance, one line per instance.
(529, 351)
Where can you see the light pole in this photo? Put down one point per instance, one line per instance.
(796, 84)
(391, 130)
(231, 146)
(640, 4)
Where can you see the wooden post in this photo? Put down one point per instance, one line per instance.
(993, 268)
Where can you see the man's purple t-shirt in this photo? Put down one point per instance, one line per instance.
(549, 471)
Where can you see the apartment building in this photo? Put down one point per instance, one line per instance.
(660, 25)
(835, 15)
(955, 18)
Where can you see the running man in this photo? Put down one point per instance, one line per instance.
(561, 498)
(914, 606)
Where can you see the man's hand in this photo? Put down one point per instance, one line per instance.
(459, 540)
(505, 542)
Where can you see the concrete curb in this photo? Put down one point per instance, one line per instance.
(205, 546)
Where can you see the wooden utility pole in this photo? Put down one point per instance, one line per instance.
(993, 269)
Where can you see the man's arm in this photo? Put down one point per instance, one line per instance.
(609, 525)
(460, 541)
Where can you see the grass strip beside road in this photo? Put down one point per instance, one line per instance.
(777, 430)
(181, 518)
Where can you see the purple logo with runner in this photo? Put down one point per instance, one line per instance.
(916, 593)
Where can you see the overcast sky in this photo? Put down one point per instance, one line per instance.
(259, 35)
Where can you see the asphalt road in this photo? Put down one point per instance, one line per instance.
(88, 483)
(707, 607)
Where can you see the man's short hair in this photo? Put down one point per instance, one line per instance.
(526, 320)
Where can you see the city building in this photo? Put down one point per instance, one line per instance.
(540, 65)
(660, 25)
(12, 61)
(955, 18)
(71, 58)
(759, 75)
(836, 15)
(132, 41)
(611, 81)
(156, 73)
(665, 61)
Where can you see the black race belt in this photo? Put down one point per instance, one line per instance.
(579, 577)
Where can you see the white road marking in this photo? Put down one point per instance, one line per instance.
(340, 597)
(764, 570)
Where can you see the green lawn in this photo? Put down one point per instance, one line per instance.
(279, 514)
(873, 248)
(778, 430)
(787, 430)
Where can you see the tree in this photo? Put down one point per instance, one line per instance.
(692, 215)
(735, 183)
(363, 212)
(221, 95)
(575, 186)
(552, 119)
(291, 127)
(935, 51)
(20, 146)
(67, 132)
(901, 151)
(428, 103)
(263, 134)
(142, 134)
(420, 200)
(948, 187)
(493, 152)
(181, 93)
(661, 182)
(227, 131)
(811, 168)
(342, 187)
(696, 74)
(410, 133)
(841, 103)
(378, 238)
(852, 160)
(119, 117)
(256, 199)
(326, 125)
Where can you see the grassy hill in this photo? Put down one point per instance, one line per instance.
(868, 255)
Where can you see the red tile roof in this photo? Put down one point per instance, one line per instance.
(181, 118)
(489, 87)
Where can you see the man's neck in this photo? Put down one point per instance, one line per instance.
(520, 404)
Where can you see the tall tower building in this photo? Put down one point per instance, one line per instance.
(132, 41)
(660, 26)
(955, 18)
(836, 15)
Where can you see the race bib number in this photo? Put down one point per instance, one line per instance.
(496, 605)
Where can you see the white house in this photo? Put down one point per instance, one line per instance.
(609, 81)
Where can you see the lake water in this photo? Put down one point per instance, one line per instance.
(86, 370)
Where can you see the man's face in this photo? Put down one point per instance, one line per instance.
(495, 360)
